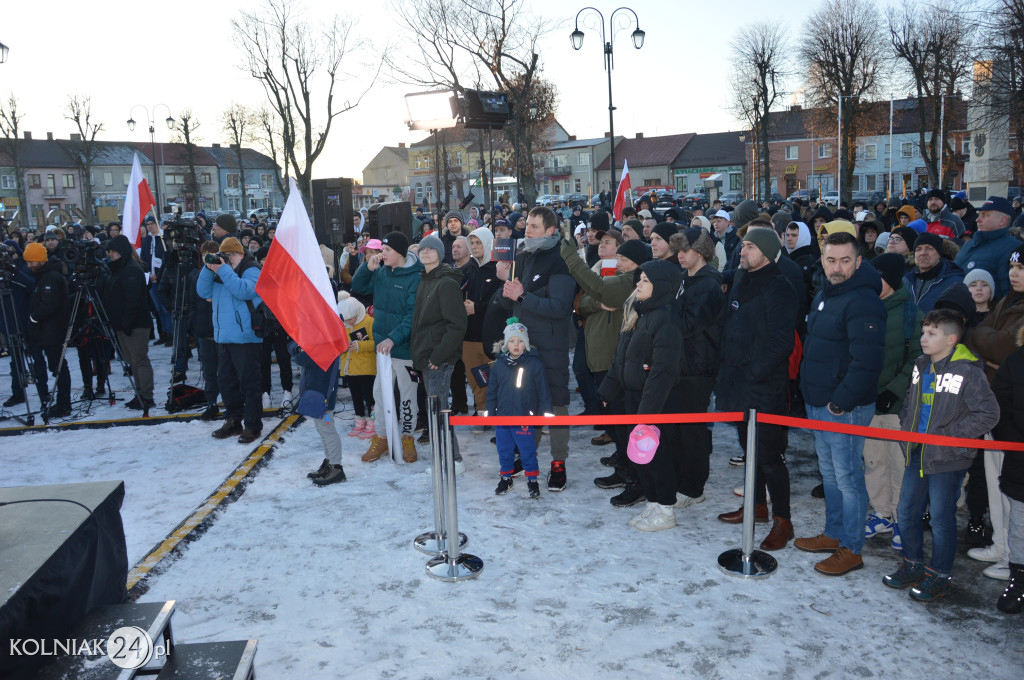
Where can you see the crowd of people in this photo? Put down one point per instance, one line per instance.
(903, 316)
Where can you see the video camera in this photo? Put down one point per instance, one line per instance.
(82, 253)
(8, 263)
(185, 233)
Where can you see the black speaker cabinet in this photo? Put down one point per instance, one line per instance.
(332, 211)
(384, 218)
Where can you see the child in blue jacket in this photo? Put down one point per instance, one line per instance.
(518, 387)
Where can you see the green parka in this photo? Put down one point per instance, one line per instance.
(439, 320)
(900, 351)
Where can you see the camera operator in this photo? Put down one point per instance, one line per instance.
(125, 300)
(229, 280)
(87, 270)
(47, 327)
(202, 328)
(153, 254)
(182, 257)
(14, 317)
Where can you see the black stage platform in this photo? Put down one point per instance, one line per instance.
(57, 561)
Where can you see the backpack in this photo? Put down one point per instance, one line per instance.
(181, 397)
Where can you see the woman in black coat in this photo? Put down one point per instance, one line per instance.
(1008, 386)
(645, 372)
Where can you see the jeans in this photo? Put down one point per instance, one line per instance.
(941, 491)
(163, 316)
(584, 378)
(841, 462)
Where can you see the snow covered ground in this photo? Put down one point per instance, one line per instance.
(329, 582)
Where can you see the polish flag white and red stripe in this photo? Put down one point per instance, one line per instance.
(138, 201)
(624, 188)
(295, 285)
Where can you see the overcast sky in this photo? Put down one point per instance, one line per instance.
(122, 53)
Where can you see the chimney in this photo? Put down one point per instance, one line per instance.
(28, 135)
(572, 138)
(607, 135)
(49, 136)
(233, 146)
(401, 145)
(76, 137)
(216, 145)
(639, 135)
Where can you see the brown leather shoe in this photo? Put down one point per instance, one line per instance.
(779, 536)
(378, 449)
(760, 515)
(817, 544)
(842, 561)
(408, 448)
(602, 439)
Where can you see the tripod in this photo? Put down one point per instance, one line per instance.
(181, 310)
(87, 293)
(22, 366)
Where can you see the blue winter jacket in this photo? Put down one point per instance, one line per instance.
(394, 298)
(232, 320)
(845, 346)
(518, 387)
(948, 275)
(990, 250)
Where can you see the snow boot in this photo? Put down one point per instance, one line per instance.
(335, 474)
(378, 449)
(324, 468)
(1012, 599)
(359, 428)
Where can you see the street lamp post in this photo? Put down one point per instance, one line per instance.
(152, 140)
(3, 53)
(609, 63)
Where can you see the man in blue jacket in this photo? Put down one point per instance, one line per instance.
(230, 285)
(843, 356)
(991, 246)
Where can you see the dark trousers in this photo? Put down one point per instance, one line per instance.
(977, 490)
(238, 377)
(620, 435)
(458, 388)
(693, 461)
(92, 360)
(278, 342)
(587, 382)
(361, 389)
(771, 471)
(658, 477)
(208, 359)
(45, 360)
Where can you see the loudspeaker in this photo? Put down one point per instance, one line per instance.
(485, 110)
(332, 211)
(384, 218)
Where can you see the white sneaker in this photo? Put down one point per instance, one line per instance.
(460, 467)
(876, 524)
(999, 571)
(266, 400)
(739, 492)
(663, 517)
(684, 501)
(286, 399)
(643, 514)
(989, 554)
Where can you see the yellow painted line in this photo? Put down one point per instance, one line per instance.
(149, 562)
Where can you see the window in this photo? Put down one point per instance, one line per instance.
(681, 182)
(888, 162)
(108, 179)
(652, 182)
(430, 191)
(558, 188)
(204, 178)
(870, 152)
(870, 183)
(583, 158)
(966, 147)
(907, 149)
(266, 181)
(71, 207)
(888, 149)
(34, 182)
(579, 186)
(8, 182)
(69, 181)
(792, 152)
(560, 161)
(36, 207)
(234, 180)
(419, 191)
(51, 185)
(824, 150)
(735, 181)
(126, 177)
(458, 158)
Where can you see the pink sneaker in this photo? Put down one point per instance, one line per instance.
(359, 428)
(369, 432)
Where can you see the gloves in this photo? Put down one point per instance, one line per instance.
(885, 401)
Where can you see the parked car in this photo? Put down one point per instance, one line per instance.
(572, 199)
(731, 197)
(831, 198)
(804, 195)
(546, 199)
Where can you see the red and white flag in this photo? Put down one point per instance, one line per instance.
(295, 285)
(624, 188)
(138, 201)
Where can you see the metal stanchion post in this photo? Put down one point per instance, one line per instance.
(452, 565)
(746, 562)
(432, 542)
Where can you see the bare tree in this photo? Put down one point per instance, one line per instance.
(1001, 85)
(471, 41)
(186, 127)
(299, 66)
(10, 142)
(84, 149)
(934, 48)
(759, 53)
(238, 121)
(844, 54)
(270, 134)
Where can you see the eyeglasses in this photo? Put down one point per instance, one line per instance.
(896, 239)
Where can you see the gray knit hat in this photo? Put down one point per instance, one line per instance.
(978, 274)
(767, 241)
(432, 243)
(514, 329)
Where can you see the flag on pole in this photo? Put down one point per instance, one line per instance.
(138, 201)
(623, 192)
(295, 286)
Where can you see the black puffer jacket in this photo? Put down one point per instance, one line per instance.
(48, 309)
(701, 309)
(647, 358)
(845, 346)
(125, 297)
(757, 339)
(1008, 386)
(481, 284)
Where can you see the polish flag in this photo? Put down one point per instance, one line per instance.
(623, 192)
(138, 201)
(295, 286)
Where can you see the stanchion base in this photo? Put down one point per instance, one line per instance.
(760, 565)
(463, 568)
(431, 543)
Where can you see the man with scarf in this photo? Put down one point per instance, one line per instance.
(540, 294)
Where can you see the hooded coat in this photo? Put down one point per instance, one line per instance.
(900, 351)
(481, 286)
(700, 305)
(125, 295)
(15, 306)
(845, 345)
(994, 338)
(945, 223)
(1008, 386)
(49, 310)
(439, 318)
(394, 297)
